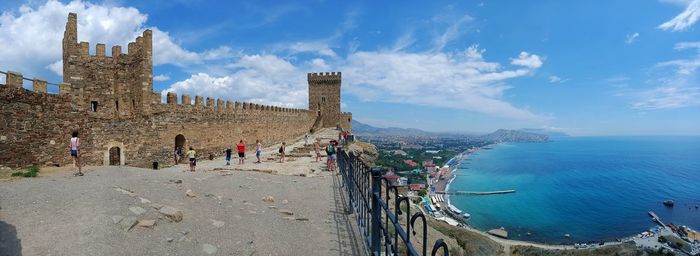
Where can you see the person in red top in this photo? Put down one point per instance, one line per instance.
(241, 152)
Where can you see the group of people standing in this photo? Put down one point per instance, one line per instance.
(331, 152)
(240, 149)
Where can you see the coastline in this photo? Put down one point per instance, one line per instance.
(506, 242)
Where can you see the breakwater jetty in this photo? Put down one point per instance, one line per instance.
(478, 193)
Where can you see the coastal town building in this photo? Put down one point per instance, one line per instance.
(110, 101)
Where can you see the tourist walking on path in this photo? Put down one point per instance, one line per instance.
(331, 152)
(317, 150)
(228, 155)
(241, 152)
(192, 155)
(306, 139)
(258, 150)
(75, 152)
(282, 150)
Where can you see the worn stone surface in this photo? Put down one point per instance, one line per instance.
(137, 210)
(147, 223)
(171, 213)
(127, 223)
(76, 212)
(110, 101)
(209, 249)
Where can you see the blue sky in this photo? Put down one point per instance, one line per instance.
(582, 67)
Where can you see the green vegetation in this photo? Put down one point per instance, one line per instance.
(472, 243)
(422, 193)
(388, 159)
(31, 172)
(625, 249)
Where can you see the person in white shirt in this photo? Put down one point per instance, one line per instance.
(75, 152)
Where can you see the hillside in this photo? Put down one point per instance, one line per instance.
(503, 135)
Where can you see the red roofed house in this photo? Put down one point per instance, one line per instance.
(411, 163)
(430, 167)
(415, 187)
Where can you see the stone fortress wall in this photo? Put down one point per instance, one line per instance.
(110, 101)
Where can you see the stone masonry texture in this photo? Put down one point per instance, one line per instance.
(110, 101)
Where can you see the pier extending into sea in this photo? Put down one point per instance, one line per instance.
(478, 193)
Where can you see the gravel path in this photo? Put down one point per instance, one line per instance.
(224, 213)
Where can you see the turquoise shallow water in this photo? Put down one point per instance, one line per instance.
(594, 188)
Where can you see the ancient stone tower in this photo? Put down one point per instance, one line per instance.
(120, 85)
(110, 101)
(324, 99)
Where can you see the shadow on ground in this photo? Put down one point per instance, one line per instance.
(346, 234)
(10, 245)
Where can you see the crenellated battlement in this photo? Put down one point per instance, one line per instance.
(110, 101)
(16, 80)
(107, 81)
(217, 105)
(324, 78)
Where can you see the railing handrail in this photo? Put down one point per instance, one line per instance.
(368, 205)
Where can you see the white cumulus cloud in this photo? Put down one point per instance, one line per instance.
(31, 38)
(461, 80)
(262, 79)
(527, 60)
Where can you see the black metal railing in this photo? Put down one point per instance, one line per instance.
(379, 225)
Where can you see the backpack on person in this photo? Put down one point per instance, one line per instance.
(330, 150)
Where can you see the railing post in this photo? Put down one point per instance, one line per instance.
(376, 211)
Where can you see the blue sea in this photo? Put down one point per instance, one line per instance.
(593, 188)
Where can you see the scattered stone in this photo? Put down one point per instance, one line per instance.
(286, 212)
(185, 232)
(272, 207)
(156, 206)
(302, 219)
(209, 195)
(209, 249)
(169, 239)
(144, 200)
(176, 181)
(217, 223)
(171, 213)
(137, 210)
(147, 223)
(127, 223)
(248, 203)
(124, 191)
(117, 218)
(285, 201)
(252, 212)
(190, 193)
(268, 199)
(288, 218)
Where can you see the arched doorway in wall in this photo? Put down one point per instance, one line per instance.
(114, 156)
(180, 146)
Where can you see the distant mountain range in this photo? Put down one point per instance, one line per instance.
(503, 135)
